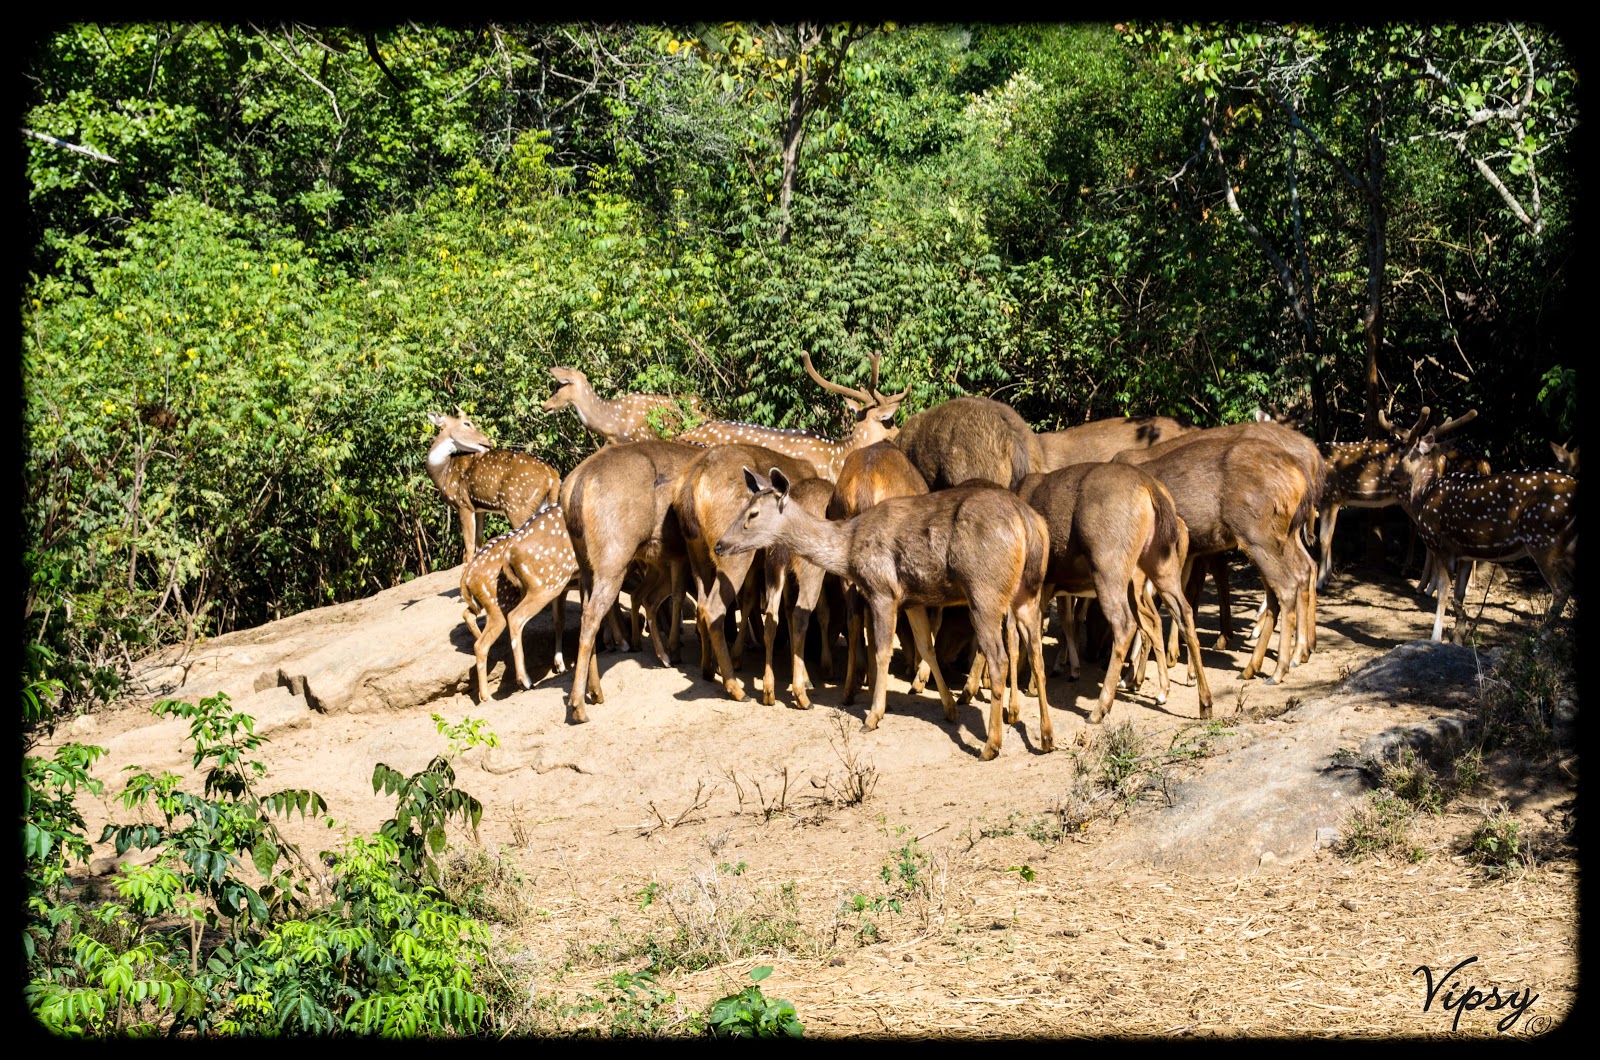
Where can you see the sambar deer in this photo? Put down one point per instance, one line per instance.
(511, 579)
(1112, 528)
(1234, 490)
(628, 418)
(971, 437)
(618, 506)
(874, 414)
(476, 477)
(977, 546)
(710, 497)
(1496, 518)
(1099, 441)
(869, 475)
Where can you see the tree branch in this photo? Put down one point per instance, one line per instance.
(91, 152)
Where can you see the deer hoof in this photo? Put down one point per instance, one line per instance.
(1047, 743)
(1205, 711)
(800, 700)
(736, 690)
(990, 753)
(1096, 716)
(768, 697)
(577, 716)
(1161, 698)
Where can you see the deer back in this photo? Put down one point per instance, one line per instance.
(504, 480)
(823, 454)
(1489, 517)
(871, 474)
(971, 437)
(931, 548)
(618, 502)
(1101, 440)
(712, 493)
(1101, 517)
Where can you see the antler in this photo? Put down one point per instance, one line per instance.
(882, 400)
(855, 395)
(1421, 425)
(1459, 421)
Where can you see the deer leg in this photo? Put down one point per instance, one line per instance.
(492, 628)
(776, 582)
(969, 691)
(1030, 616)
(749, 613)
(1308, 608)
(1220, 574)
(1013, 697)
(987, 629)
(1182, 613)
(1115, 605)
(718, 605)
(855, 655)
(1463, 571)
(1150, 630)
(533, 601)
(809, 597)
(922, 635)
(559, 664)
(598, 594)
(883, 614)
(921, 663)
(824, 613)
(1327, 519)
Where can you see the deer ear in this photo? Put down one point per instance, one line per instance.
(780, 485)
(852, 404)
(1426, 443)
(1261, 416)
(460, 415)
(437, 419)
(885, 414)
(753, 481)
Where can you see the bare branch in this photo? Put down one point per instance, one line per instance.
(331, 97)
(91, 152)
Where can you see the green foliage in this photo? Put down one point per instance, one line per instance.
(635, 1006)
(425, 802)
(751, 1014)
(1496, 843)
(1380, 826)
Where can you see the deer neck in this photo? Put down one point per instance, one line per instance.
(1422, 484)
(824, 542)
(446, 471)
(598, 415)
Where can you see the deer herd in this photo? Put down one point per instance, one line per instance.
(964, 505)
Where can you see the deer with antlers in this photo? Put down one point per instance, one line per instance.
(510, 580)
(1496, 518)
(618, 507)
(973, 545)
(874, 414)
(476, 477)
(628, 418)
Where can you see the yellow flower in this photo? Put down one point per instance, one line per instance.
(276, 268)
(191, 351)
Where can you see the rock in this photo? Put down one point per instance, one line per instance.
(1327, 837)
(84, 725)
(1348, 904)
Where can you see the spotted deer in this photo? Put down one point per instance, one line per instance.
(1359, 476)
(1112, 528)
(973, 545)
(511, 579)
(1495, 518)
(476, 477)
(874, 414)
(618, 507)
(628, 418)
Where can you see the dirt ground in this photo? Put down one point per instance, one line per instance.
(958, 897)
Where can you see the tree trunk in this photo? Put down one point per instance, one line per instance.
(793, 130)
(1377, 223)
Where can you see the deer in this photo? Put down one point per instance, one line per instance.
(869, 475)
(627, 419)
(1566, 457)
(1236, 489)
(1359, 477)
(1313, 471)
(978, 546)
(1100, 440)
(971, 437)
(618, 508)
(518, 572)
(476, 477)
(874, 414)
(1112, 528)
(779, 565)
(1496, 518)
(709, 498)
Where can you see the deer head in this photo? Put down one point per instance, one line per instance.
(874, 412)
(769, 496)
(570, 383)
(458, 434)
(1566, 457)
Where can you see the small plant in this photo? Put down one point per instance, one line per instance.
(1380, 827)
(636, 1006)
(1496, 843)
(751, 1014)
(467, 733)
(852, 787)
(1413, 780)
(1024, 871)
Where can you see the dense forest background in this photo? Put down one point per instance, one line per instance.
(257, 255)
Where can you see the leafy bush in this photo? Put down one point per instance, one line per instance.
(751, 1014)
